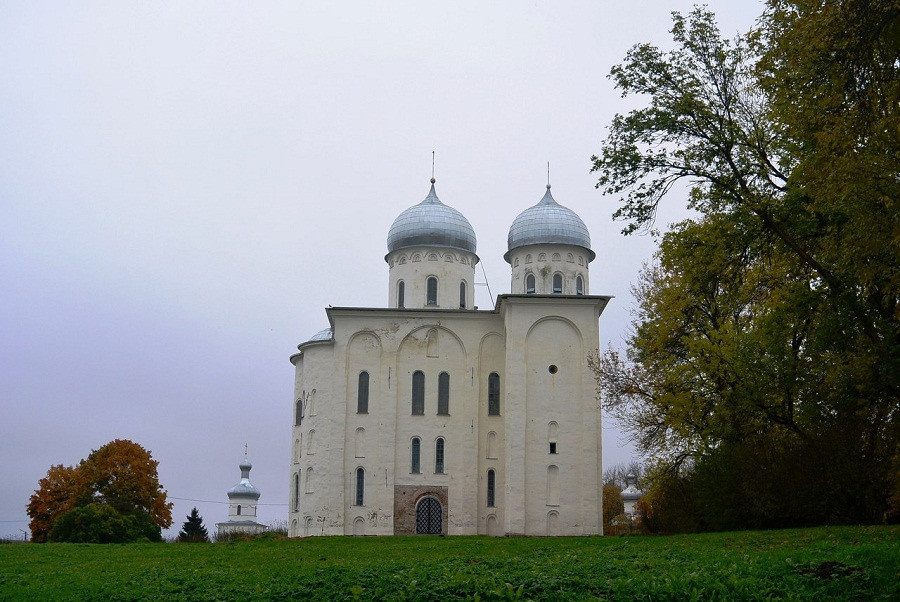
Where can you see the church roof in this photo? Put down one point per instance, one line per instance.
(548, 222)
(245, 488)
(323, 335)
(431, 223)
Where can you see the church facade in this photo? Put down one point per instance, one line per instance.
(431, 416)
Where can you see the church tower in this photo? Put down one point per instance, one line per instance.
(549, 250)
(431, 254)
(242, 501)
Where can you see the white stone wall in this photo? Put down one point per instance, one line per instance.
(519, 342)
(545, 260)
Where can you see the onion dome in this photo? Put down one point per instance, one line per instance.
(431, 223)
(245, 488)
(631, 493)
(548, 222)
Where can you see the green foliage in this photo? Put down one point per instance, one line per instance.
(101, 523)
(765, 348)
(193, 530)
(856, 563)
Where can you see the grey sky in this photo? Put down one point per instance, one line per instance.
(185, 186)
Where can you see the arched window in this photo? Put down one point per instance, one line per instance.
(529, 284)
(557, 284)
(360, 486)
(462, 295)
(552, 434)
(494, 394)
(431, 291)
(297, 491)
(579, 286)
(360, 443)
(418, 392)
(553, 485)
(439, 456)
(239, 510)
(362, 393)
(298, 412)
(528, 258)
(309, 480)
(309, 442)
(443, 394)
(401, 293)
(415, 464)
(490, 488)
(492, 445)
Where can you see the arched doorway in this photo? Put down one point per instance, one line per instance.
(429, 516)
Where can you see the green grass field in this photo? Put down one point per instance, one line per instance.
(839, 563)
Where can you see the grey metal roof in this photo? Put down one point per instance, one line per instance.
(548, 222)
(245, 488)
(323, 335)
(431, 223)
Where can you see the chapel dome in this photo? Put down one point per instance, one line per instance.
(548, 222)
(431, 223)
(245, 488)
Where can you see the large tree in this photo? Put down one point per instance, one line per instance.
(119, 479)
(769, 322)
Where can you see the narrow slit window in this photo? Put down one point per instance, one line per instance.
(362, 395)
(416, 460)
(462, 295)
(494, 394)
(360, 486)
(298, 413)
(431, 291)
(557, 284)
(401, 294)
(529, 284)
(579, 286)
(418, 392)
(439, 456)
(443, 394)
(491, 484)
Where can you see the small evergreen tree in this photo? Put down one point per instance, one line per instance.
(193, 530)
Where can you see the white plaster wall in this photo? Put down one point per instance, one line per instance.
(321, 383)
(545, 260)
(414, 265)
(544, 331)
(391, 345)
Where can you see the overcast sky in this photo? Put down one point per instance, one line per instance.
(185, 186)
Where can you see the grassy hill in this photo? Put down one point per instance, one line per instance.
(823, 563)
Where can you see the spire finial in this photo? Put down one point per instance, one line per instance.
(432, 167)
(548, 175)
(245, 450)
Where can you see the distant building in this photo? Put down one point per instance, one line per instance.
(431, 416)
(630, 495)
(242, 501)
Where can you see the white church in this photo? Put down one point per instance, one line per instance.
(430, 416)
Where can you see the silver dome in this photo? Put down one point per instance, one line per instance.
(431, 223)
(245, 488)
(322, 335)
(548, 222)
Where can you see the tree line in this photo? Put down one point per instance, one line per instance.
(761, 376)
